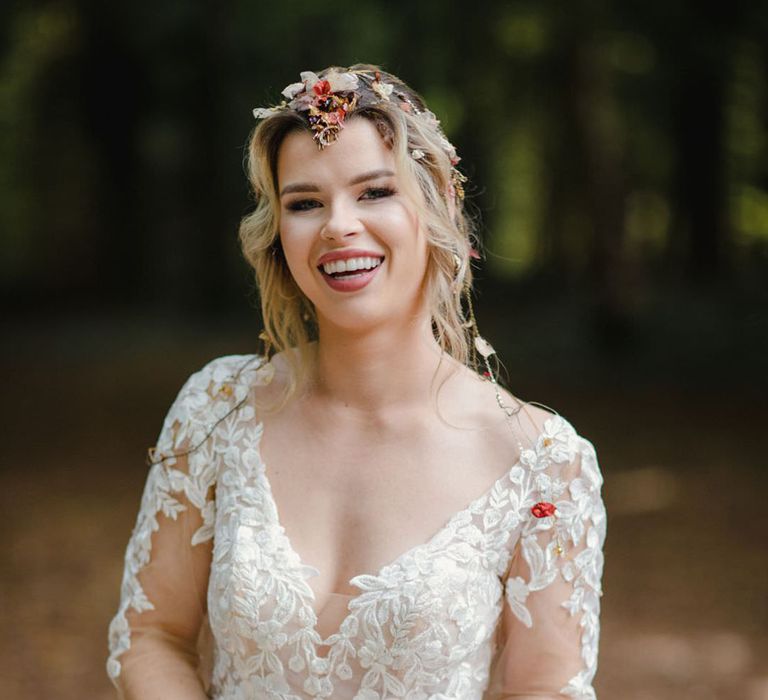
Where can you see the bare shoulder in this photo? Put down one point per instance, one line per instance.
(515, 420)
(530, 416)
(272, 396)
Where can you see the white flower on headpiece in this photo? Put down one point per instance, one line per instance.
(309, 78)
(417, 154)
(342, 82)
(450, 149)
(303, 101)
(292, 90)
(383, 90)
(266, 112)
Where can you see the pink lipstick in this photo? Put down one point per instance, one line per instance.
(351, 269)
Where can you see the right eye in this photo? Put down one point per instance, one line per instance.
(303, 205)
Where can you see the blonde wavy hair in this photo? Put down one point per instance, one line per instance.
(288, 316)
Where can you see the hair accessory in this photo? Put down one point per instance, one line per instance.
(383, 90)
(328, 100)
(486, 351)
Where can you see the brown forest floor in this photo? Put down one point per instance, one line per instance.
(685, 609)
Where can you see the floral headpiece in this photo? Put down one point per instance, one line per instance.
(328, 100)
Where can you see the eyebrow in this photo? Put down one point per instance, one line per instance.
(311, 187)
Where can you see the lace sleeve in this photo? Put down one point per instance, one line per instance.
(550, 627)
(153, 637)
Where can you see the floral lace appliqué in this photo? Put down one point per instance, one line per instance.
(422, 627)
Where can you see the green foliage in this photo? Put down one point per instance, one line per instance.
(587, 130)
(37, 40)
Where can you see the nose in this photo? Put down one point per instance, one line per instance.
(342, 222)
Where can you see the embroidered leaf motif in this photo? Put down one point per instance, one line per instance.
(516, 595)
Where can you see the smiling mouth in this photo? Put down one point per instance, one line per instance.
(351, 267)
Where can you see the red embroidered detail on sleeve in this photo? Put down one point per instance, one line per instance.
(543, 509)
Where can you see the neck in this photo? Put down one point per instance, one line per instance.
(382, 368)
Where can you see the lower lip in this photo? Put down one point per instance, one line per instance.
(351, 284)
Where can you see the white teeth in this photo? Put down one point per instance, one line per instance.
(350, 265)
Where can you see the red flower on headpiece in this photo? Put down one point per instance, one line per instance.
(322, 87)
(543, 509)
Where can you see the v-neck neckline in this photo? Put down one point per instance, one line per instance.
(355, 580)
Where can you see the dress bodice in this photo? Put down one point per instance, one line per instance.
(502, 599)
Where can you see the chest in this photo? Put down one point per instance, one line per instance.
(351, 500)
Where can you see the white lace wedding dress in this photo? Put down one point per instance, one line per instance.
(502, 601)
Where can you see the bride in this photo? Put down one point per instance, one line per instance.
(361, 511)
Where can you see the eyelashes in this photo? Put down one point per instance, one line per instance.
(303, 205)
(369, 194)
(378, 192)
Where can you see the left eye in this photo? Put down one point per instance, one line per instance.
(303, 205)
(377, 193)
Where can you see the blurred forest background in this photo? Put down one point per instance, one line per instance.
(618, 154)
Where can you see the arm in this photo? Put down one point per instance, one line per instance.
(549, 631)
(153, 637)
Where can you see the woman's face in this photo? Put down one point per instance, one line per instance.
(352, 240)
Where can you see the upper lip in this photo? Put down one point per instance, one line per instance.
(346, 254)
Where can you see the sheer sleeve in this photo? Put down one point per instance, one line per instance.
(550, 627)
(153, 638)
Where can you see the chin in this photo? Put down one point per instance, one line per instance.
(362, 320)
